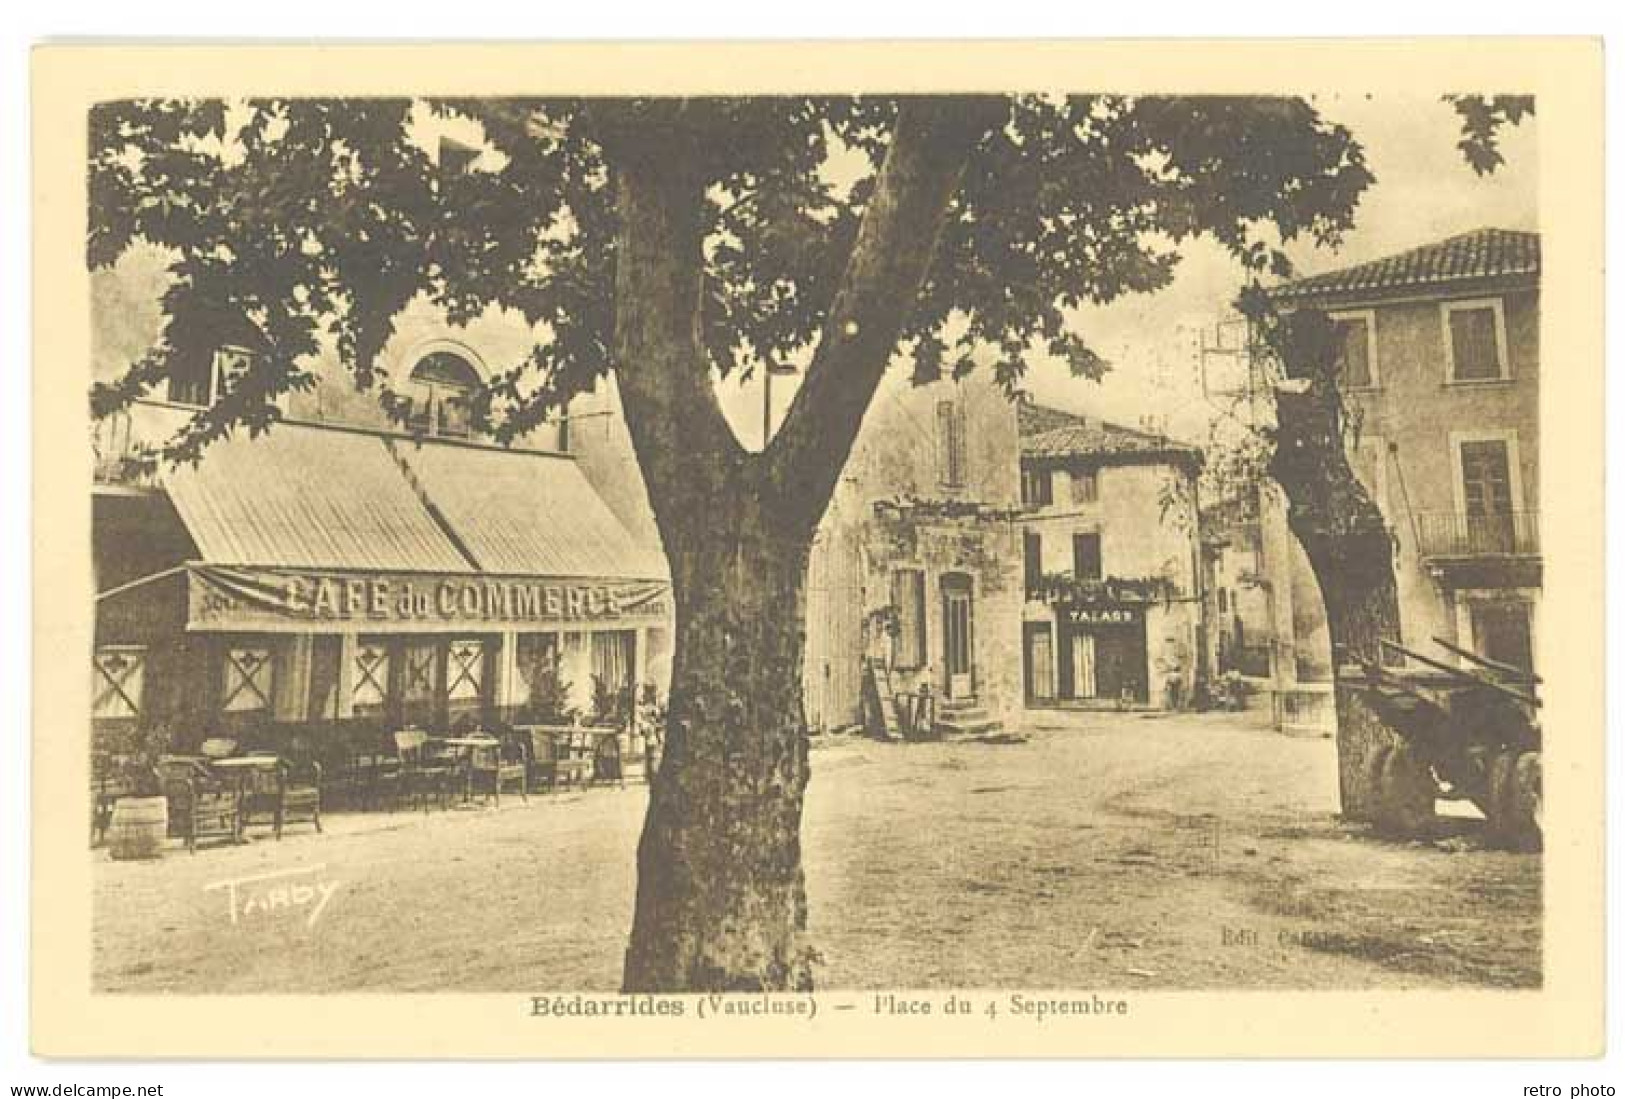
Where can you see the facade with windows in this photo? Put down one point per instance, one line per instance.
(1111, 563)
(1441, 379)
(915, 567)
(349, 566)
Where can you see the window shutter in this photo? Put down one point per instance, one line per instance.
(1354, 367)
(945, 442)
(1086, 556)
(908, 600)
(117, 679)
(1032, 552)
(1473, 349)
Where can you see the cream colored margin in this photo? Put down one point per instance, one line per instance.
(1565, 1018)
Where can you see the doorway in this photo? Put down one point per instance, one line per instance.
(1120, 665)
(1040, 666)
(958, 622)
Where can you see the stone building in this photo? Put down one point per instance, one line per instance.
(1111, 561)
(1441, 380)
(344, 566)
(915, 565)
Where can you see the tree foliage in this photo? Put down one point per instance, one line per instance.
(298, 226)
(1483, 117)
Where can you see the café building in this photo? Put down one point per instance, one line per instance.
(323, 573)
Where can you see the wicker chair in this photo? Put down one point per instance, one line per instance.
(201, 804)
(505, 763)
(421, 775)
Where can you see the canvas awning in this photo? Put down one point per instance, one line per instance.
(315, 529)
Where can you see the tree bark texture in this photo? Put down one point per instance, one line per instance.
(721, 902)
(1351, 552)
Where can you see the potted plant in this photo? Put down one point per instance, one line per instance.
(140, 816)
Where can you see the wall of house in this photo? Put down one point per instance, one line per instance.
(1145, 515)
(896, 458)
(1403, 443)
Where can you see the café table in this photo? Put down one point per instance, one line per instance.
(570, 749)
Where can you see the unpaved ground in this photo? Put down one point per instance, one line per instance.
(1107, 850)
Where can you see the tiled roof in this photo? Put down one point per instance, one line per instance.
(1481, 254)
(1051, 433)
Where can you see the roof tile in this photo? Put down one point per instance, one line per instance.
(1052, 433)
(1481, 254)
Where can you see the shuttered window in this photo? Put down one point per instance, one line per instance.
(908, 599)
(247, 683)
(1036, 488)
(117, 677)
(419, 659)
(1032, 556)
(1086, 556)
(1476, 353)
(951, 443)
(465, 671)
(1085, 486)
(1354, 352)
(369, 676)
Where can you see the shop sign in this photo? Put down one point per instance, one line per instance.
(235, 598)
(1103, 614)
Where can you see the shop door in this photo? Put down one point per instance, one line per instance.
(1120, 664)
(957, 640)
(1083, 665)
(1040, 662)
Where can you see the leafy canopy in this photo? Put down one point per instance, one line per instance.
(300, 224)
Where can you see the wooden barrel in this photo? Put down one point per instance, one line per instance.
(138, 828)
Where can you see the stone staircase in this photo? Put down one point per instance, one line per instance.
(963, 717)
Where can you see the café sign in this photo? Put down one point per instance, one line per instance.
(224, 597)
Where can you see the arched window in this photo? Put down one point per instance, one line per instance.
(442, 386)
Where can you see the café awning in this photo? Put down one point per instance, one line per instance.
(309, 497)
(521, 513)
(321, 529)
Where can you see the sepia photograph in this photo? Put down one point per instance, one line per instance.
(875, 553)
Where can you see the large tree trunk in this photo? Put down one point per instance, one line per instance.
(721, 903)
(1351, 552)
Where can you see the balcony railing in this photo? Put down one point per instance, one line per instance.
(1456, 534)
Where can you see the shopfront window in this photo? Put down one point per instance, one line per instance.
(612, 656)
(248, 678)
(117, 677)
(369, 683)
(418, 665)
(537, 663)
(465, 671)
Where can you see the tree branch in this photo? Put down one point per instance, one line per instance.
(683, 442)
(931, 144)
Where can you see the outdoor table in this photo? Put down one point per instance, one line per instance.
(574, 745)
(466, 746)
